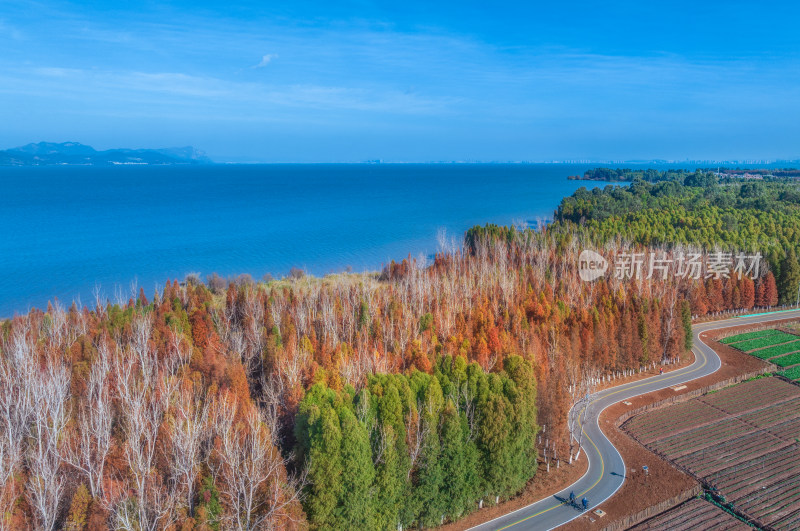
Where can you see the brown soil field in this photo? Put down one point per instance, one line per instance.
(741, 441)
(694, 514)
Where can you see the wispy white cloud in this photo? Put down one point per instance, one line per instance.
(265, 60)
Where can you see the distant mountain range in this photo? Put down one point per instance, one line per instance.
(49, 153)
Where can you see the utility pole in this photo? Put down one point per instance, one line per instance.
(798, 295)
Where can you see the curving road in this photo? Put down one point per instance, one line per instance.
(606, 470)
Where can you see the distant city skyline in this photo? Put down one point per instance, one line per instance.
(413, 82)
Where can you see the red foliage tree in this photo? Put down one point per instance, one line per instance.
(770, 290)
(748, 293)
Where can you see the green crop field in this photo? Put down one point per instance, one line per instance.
(777, 350)
(749, 335)
(792, 374)
(773, 339)
(785, 361)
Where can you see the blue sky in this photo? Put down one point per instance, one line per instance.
(406, 81)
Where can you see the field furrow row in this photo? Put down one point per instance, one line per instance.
(743, 440)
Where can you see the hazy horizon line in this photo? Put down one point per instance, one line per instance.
(377, 160)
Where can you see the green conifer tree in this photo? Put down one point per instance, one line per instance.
(389, 481)
(494, 441)
(325, 469)
(789, 278)
(357, 503)
(429, 475)
(686, 321)
(455, 491)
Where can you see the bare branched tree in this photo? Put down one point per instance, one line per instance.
(188, 429)
(93, 438)
(46, 480)
(250, 467)
(141, 388)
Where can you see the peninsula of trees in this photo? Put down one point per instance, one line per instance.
(628, 175)
(753, 216)
(654, 176)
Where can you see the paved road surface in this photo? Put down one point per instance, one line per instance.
(606, 469)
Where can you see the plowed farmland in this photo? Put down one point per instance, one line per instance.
(741, 443)
(695, 514)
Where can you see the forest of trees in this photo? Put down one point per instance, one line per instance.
(753, 216)
(241, 407)
(652, 175)
(406, 398)
(415, 447)
(132, 417)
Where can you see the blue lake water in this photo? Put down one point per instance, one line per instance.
(66, 229)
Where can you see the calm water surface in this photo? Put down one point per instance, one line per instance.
(67, 229)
